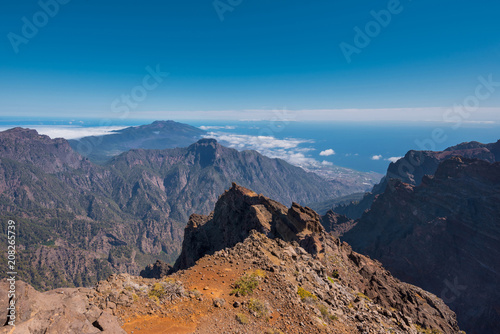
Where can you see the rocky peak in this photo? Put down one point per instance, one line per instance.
(27, 145)
(239, 211)
(336, 224)
(205, 151)
(416, 165)
(249, 230)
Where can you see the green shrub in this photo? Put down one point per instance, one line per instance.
(362, 295)
(305, 295)
(247, 283)
(169, 289)
(258, 308)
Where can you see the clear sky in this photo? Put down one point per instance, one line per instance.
(245, 57)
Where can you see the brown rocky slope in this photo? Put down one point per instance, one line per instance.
(281, 274)
(443, 236)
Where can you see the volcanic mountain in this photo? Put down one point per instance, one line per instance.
(442, 235)
(414, 166)
(157, 135)
(79, 221)
(269, 269)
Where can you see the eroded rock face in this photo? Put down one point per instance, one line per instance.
(415, 165)
(239, 211)
(68, 311)
(337, 224)
(442, 235)
(246, 223)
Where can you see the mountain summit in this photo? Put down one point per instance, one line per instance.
(237, 212)
(157, 135)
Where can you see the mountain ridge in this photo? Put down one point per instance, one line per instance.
(157, 135)
(129, 212)
(415, 165)
(312, 283)
(442, 235)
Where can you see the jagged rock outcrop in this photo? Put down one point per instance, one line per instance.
(239, 211)
(443, 236)
(336, 224)
(157, 270)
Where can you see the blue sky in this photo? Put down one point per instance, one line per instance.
(263, 55)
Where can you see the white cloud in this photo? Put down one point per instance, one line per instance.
(327, 153)
(393, 159)
(376, 157)
(287, 149)
(72, 132)
(326, 163)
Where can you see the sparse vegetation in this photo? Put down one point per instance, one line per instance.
(305, 295)
(325, 313)
(258, 308)
(195, 293)
(362, 295)
(247, 283)
(157, 291)
(242, 319)
(168, 290)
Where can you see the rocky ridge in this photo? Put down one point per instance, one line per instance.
(312, 283)
(81, 222)
(412, 168)
(442, 235)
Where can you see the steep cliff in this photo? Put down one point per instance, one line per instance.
(442, 235)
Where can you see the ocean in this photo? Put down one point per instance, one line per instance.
(367, 147)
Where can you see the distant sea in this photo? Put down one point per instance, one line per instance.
(361, 146)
